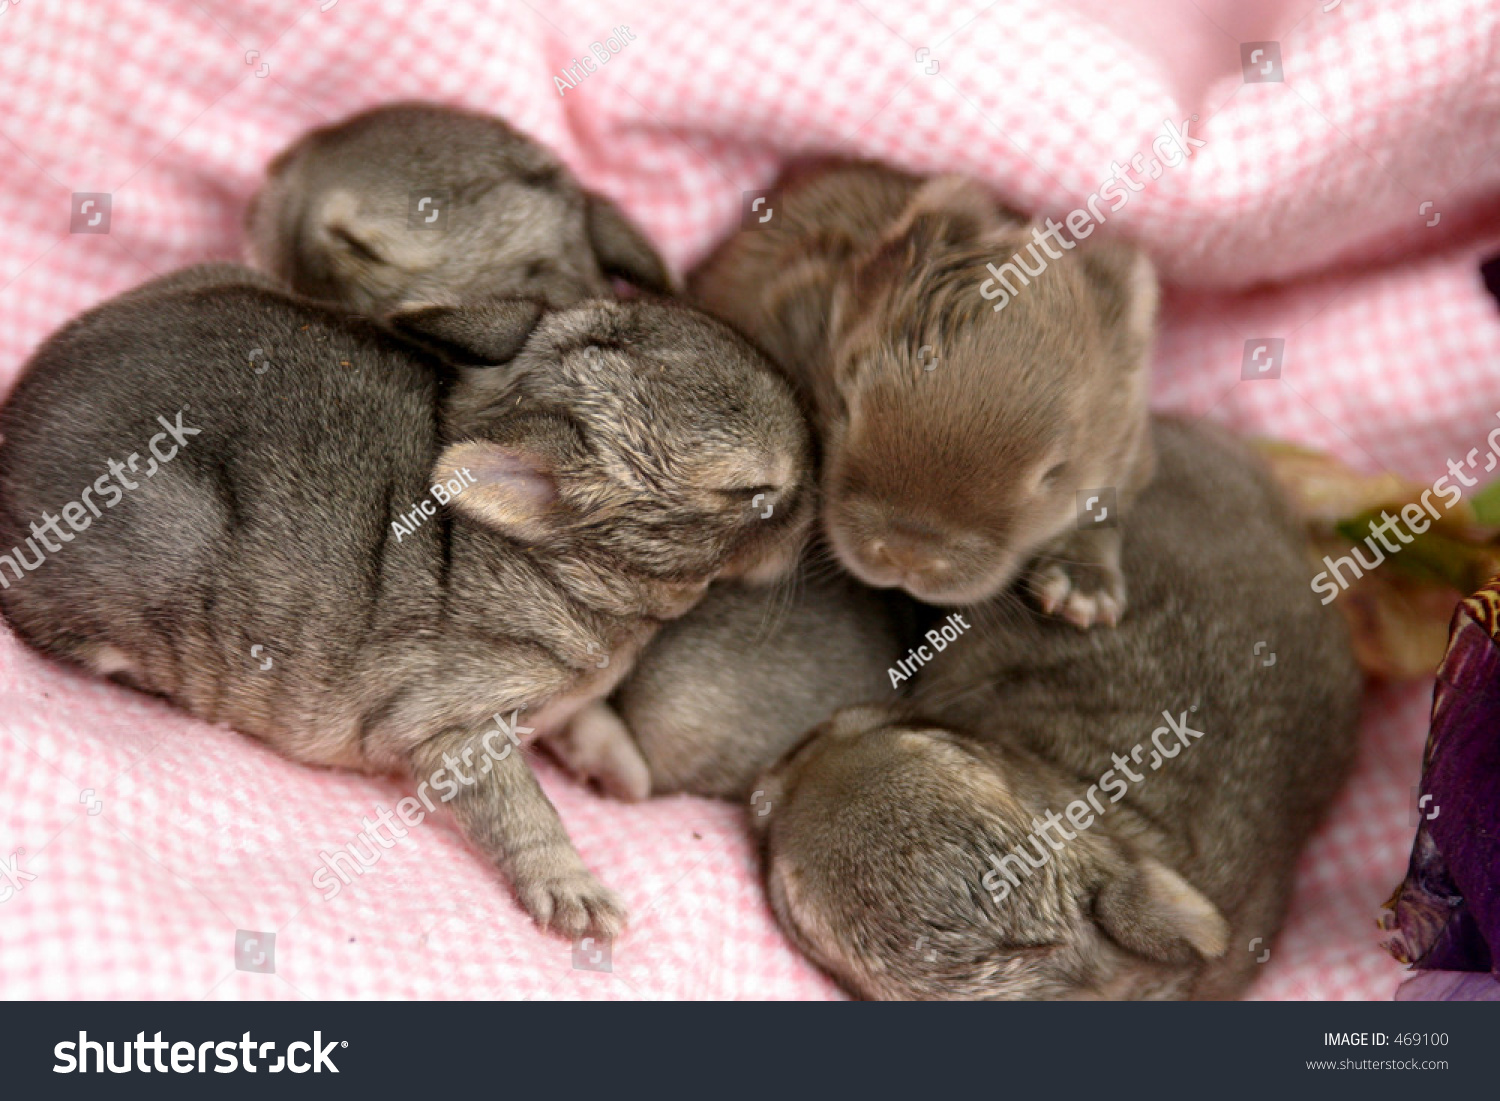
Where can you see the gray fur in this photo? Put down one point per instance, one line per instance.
(882, 825)
(332, 221)
(950, 481)
(723, 692)
(614, 460)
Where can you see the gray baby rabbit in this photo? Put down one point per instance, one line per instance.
(342, 216)
(721, 693)
(343, 546)
(959, 434)
(1110, 815)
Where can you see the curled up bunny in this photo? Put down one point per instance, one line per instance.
(433, 552)
(420, 203)
(961, 428)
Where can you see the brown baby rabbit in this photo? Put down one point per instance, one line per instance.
(721, 693)
(341, 545)
(416, 204)
(960, 436)
(1109, 815)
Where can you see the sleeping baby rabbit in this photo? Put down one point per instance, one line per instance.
(723, 692)
(961, 425)
(282, 517)
(1060, 815)
(419, 204)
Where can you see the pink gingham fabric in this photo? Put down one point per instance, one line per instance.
(1342, 209)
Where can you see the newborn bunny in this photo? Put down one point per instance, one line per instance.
(723, 692)
(959, 437)
(924, 853)
(366, 558)
(343, 217)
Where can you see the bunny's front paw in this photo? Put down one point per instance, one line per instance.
(1079, 579)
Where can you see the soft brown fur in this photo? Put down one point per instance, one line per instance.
(949, 481)
(883, 829)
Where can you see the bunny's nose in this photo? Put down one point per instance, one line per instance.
(905, 551)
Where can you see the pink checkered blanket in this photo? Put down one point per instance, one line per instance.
(1331, 184)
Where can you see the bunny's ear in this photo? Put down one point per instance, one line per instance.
(482, 333)
(623, 249)
(345, 226)
(507, 488)
(950, 210)
(944, 212)
(799, 298)
(1152, 911)
(1124, 284)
